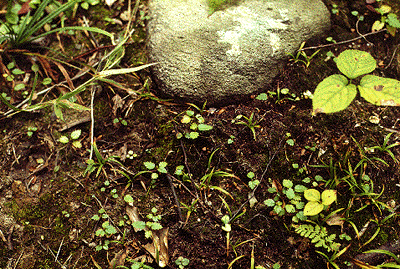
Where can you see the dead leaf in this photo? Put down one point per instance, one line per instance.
(47, 68)
(275, 184)
(119, 259)
(118, 103)
(335, 219)
(65, 74)
(159, 248)
(110, 2)
(125, 15)
(133, 214)
(252, 200)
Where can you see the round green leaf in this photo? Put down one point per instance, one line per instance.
(162, 170)
(300, 188)
(313, 208)
(193, 135)
(290, 208)
(162, 164)
(35, 68)
(185, 119)
(262, 96)
(63, 139)
(312, 195)
(204, 127)
(333, 94)
(354, 63)
(149, 165)
(100, 232)
(253, 183)
(140, 225)
(19, 87)
(110, 230)
(77, 144)
(269, 202)
(17, 71)
(290, 193)
(156, 226)
(193, 126)
(225, 219)
(76, 134)
(128, 198)
(85, 5)
(378, 25)
(380, 91)
(328, 197)
(287, 183)
(46, 81)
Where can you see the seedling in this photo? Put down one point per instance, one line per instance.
(281, 94)
(290, 193)
(87, 3)
(317, 201)
(182, 262)
(227, 228)
(195, 122)
(253, 181)
(152, 224)
(250, 123)
(335, 93)
(31, 130)
(302, 57)
(65, 214)
(106, 230)
(74, 136)
(101, 215)
(357, 14)
(386, 148)
(154, 169)
(330, 39)
(190, 208)
(335, 9)
(388, 19)
(138, 265)
(99, 165)
(131, 155)
(288, 197)
(231, 139)
(120, 120)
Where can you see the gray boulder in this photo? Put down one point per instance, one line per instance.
(230, 54)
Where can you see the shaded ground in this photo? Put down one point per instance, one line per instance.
(49, 204)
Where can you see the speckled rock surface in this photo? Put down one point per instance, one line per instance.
(228, 55)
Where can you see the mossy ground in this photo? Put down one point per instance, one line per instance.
(52, 208)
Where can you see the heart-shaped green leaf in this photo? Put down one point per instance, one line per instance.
(333, 94)
(328, 197)
(354, 63)
(313, 208)
(380, 91)
(312, 195)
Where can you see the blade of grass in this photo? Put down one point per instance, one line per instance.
(76, 28)
(383, 251)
